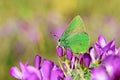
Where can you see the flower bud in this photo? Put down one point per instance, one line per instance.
(59, 50)
(69, 54)
(80, 58)
(72, 63)
(86, 59)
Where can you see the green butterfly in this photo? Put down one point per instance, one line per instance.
(75, 37)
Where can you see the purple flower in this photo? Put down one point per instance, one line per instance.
(59, 50)
(109, 57)
(102, 49)
(86, 59)
(100, 63)
(47, 70)
(26, 72)
(69, 54)
(51, 71)
(108, 69)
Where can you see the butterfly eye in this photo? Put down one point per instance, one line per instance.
(59, 40)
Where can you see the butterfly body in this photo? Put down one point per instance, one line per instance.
(75, 36)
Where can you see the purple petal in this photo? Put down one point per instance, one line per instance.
(98, 49)
(101, 41)
(56, 74)
(32, 71)
(99, 74)
(80, 58)
(37, 61)
(59, 50)
(33, 77)
(15, 72)
(74, 58)
(69, 54)
(90, 48)
(92, 54)
(72, 63)
(46, 69)
(112, 64)
(118, 52)
(109, 45)
(105, 54)
(22, 67)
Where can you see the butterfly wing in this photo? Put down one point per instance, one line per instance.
(75, 37)
(76, 26)
(78, 43)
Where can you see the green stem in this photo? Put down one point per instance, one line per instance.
(68, 67)
(81, 74)
(59, 60)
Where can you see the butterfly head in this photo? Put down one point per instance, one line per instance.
(59, 41)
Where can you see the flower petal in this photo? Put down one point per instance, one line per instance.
(102, 41)
(46, 69)
(33, 77)
(37, 61)
(112, 64)
(99, 74)
(56, 74)
(34, 71)
(92, 54)
(80, 58)
(98, 48)
(72, 63)
(22, 67)
(69, 54)
(15, 72)
(109, 46)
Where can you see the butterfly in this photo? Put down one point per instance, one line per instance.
(75, 37)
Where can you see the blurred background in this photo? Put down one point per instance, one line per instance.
(27, 27)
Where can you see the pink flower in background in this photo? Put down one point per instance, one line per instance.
(31, 32)
(20, 27)
(111, 24)
(110, 21)
(8, 29)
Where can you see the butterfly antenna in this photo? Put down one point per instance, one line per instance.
(54, 35)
